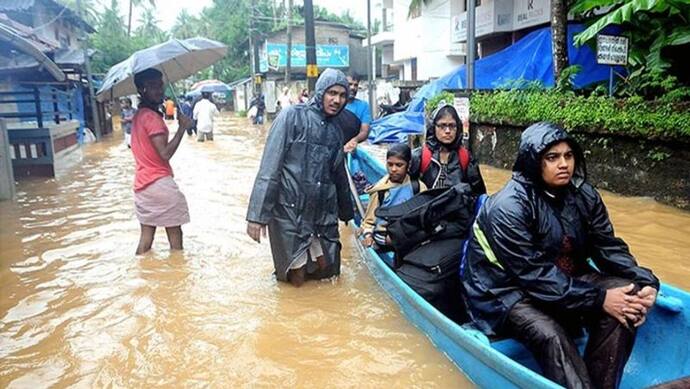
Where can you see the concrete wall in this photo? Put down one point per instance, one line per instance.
(7, 189)
(622, 165)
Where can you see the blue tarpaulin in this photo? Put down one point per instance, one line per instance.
(529, 59)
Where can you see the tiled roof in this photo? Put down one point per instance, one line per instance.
(20, 5)
(15, 5)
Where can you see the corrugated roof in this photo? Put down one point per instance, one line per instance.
(21, 5)
(15, 5)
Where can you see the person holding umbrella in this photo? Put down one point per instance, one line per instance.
(157, 199)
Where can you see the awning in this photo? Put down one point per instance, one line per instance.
(8, 35)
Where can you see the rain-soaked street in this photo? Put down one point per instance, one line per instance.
(77, 308)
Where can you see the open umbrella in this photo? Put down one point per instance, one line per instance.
(176, 59)
(201, 83)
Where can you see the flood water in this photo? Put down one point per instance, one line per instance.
(78, 308)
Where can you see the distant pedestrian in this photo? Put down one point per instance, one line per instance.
(361, 109)
(285, 99)
(259, 103)
(126, 117)
(204, 113)
(169, 108)
(157, 199)
(304, 96)
(187, 110)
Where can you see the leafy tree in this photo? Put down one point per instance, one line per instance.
(132, 4)
(415, 7)
(148, 31)
(186, 26)
(658, 33)
(559, 37)
(110, 40)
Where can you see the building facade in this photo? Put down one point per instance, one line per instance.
(431, 42)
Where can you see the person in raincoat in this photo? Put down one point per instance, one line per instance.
(528, 274)
(443, 143)
(301, 189)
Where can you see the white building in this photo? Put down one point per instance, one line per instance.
(431, 42)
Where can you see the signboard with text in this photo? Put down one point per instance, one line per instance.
(528, 13)
(327, 56)
(612, 50)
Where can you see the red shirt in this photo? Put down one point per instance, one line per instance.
(149, 165)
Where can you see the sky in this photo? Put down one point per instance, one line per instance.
(168, 13)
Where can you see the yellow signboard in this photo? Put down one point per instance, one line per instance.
(312, 71)
(257, 79)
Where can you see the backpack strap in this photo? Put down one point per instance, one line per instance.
(415, 186)
(381, 194)
(426, 159)
(464, 158)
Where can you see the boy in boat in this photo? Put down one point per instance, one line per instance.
(301, 189)
(394, 188)
(527, 273)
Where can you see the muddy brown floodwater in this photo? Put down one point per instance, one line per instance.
(77, 308)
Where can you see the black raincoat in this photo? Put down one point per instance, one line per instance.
(301, 188)
(518, 238)
(455, 173)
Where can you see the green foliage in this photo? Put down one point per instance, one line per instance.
(433, 102)
(416, 7)
(657, 155)
(633, 116)
(111, 42)
(657, 31)
(566, 79)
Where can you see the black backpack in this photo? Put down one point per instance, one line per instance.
(432, 215)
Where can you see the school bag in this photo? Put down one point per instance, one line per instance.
(463, 157)
(432, 215)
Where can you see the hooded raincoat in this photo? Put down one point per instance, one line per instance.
(454, 173)
(520, 234)
(301, 188)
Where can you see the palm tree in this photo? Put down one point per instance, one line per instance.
(135, 3)
(185, 26)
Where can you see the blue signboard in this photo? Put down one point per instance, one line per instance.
(327, 56)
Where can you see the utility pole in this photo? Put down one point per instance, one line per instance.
(289, 43)
(471, 45)
(254, 49)
(370, 60)
(89, 80)
(310, 40)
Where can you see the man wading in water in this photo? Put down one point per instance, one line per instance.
(301, 188)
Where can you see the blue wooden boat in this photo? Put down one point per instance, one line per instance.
(661, 353)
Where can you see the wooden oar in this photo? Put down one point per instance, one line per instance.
(353, 188)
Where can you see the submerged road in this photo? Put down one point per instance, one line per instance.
(77, 308)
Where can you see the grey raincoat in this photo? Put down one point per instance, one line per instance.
(301, 188)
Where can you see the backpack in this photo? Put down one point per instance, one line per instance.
(413, 183)
(463, 157)
(432, 215)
